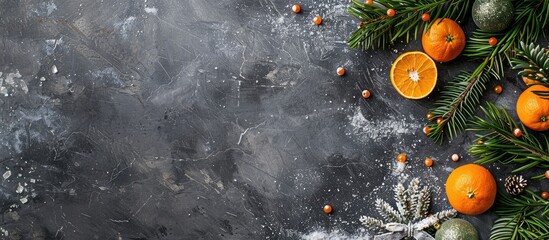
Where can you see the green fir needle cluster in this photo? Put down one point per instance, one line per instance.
(496, 142)
(460, 98)
(521, 218)
(377, 30)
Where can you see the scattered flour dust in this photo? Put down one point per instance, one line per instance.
(289, 25)
(151, 10)
(334, 235)
(125, 26)
(11, 83)
(45, 8)
(378, 130)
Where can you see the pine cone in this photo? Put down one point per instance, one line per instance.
(515, 185)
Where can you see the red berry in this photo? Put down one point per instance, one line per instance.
(493, 41)
(340, 71)
(545, 195)
(317, 20)
(547, 174)
(439, 120)
(366, 94)
(296, 8)
(498, 89)
(425, 17)
(428, 162)
(426, 130)
(517, 132)
(401, 157)
(391, 12)
(327, 208)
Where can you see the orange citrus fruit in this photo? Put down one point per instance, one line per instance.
(471, 189)
(533, 110)
(444, 40)
(414, 75)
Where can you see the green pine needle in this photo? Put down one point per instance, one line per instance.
(521, 217)
(377, 30)
(495, 131)
(459, 100)
(533, 63)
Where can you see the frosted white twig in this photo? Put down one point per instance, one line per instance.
(435, 218)
(402, 202)
(387, 211)
(412, 208)
(372, 223)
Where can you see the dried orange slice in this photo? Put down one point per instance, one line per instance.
(414, 75)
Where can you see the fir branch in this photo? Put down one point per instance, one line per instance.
(402, 201)
(533, 63)
(413, 192)
(387, 211)
(459, 100)
(499, 144)
(372, 223)
(435, 218)
(377, 30)
(523, 217)
(422, 208)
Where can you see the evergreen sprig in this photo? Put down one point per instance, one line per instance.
(533, 63)
(458, 102)
(460, 98)
(377, 30)
(523, 217)
(496, 142)
(412, 208)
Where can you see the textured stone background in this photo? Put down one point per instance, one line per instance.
(202, 119)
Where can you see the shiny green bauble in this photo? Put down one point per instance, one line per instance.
(456, 229)
(493, 15)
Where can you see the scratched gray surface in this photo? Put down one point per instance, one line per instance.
(203, 119)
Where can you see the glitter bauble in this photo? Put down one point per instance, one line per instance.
(493, 15)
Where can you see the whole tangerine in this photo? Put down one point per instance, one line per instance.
(471, 189)
(444, 40)
(533, 110)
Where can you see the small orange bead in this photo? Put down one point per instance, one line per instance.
(439, 120)
(479, 142)
(547, 174)
(296, 8)
(425, 17)
(493, 41)
(401, 157)
(391, 12)
(317, 20)
(426, 130)
(340, 71)
(366, 94)
(327, 208)
(428, 162)
(369, 2)
(430, 116)
(517, 132)
(498, 89)
(455, 157)
(545, 195)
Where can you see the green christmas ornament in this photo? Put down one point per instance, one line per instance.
(456, 229)
(493, 15)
